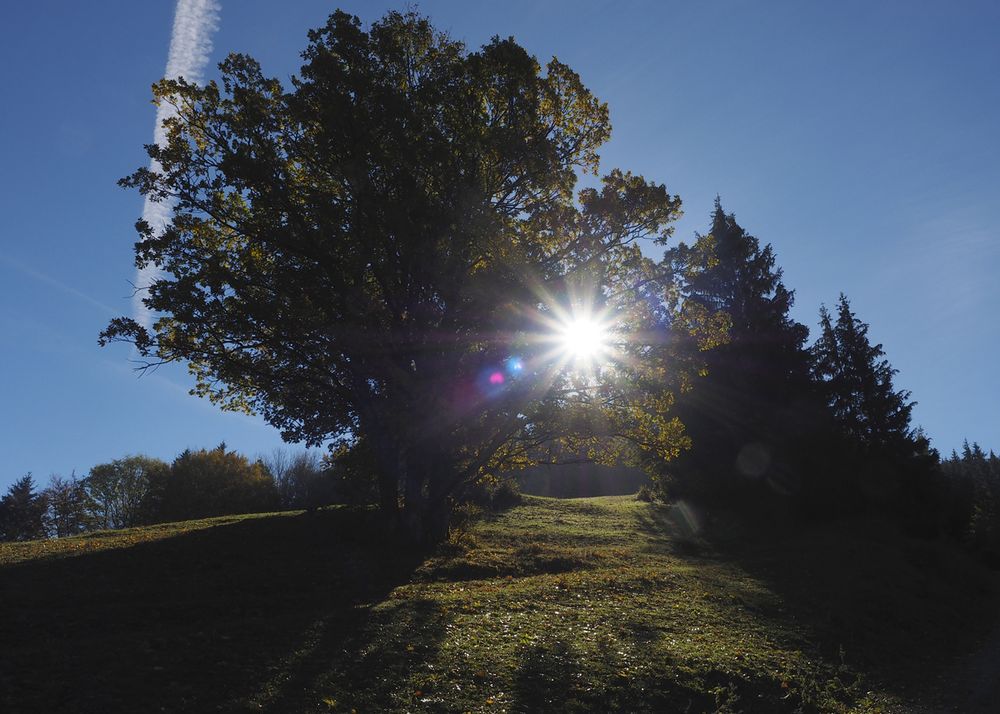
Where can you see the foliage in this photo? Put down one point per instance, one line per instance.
(493, 493)
(22, 511)
(67, 506)
(581, 479)
(645, 494)
(118, 491)
(858, 382)
(750, 412)
(205, 483)
(353, 256)
(353, 471)
(302, 480)
(883, 463)
(973, 500)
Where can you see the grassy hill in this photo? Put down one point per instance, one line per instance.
(580, 605)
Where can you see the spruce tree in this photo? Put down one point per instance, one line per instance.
(857, 380)
(883, 464)
(21, 511)
(973, 500)
(745, 416)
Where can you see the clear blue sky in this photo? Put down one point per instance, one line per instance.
(860, 139)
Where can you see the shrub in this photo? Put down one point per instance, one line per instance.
(645, 494)
(493, 493)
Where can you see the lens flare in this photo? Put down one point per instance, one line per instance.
(577, 335)
(584, 338)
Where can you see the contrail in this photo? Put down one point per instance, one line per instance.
(190, 48)
(49, 280)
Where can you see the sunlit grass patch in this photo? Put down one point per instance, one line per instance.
(95, 541)
(606, 604)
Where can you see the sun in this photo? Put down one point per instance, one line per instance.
(585, 339)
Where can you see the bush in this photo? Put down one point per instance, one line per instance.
(493, 494)
(645, 494)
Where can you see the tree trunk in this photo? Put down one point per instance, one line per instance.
(387, 468)
(425, 513)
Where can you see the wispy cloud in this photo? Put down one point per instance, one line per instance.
(52, 282)
(190, 49)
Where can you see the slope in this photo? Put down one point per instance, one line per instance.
(577, 605)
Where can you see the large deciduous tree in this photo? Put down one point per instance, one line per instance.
(67, 506)
(205, 483)
(117, 490)
(368, 252)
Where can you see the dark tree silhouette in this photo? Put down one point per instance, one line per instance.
(205, 483)
(67, 506)
(22, 511)
(745, 415)
(858, 382)
(301, 480)
(355, 256)
(117, 490)
(884, 463)
(973, 506)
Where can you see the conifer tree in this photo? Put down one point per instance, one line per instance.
(973, 504)
(745, 415)
(858, 383)
(883, 463)
(21, 511)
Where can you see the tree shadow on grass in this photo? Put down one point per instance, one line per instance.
(548, 679)
(551, 677)
(895, 609)
(673, 530)
(376, 662)
(210, 620)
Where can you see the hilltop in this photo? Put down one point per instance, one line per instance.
(555, 605)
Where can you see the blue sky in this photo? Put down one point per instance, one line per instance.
(859, 139)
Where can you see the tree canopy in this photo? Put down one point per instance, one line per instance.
(205, 483)
(381, 248)
(118, 490)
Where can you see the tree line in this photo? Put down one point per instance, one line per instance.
(379, 253)
(141, 490)
(972, 510)
(769, 418)
(818, 429)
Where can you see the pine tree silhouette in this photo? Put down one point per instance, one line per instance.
(745, 415)
(858, 382)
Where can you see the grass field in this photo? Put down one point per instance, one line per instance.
(604, 604)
